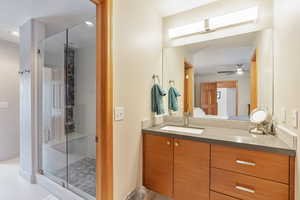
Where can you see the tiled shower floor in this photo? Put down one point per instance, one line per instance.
(82, 175)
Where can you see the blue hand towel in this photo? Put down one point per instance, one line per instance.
(172, 98)
(157, 94)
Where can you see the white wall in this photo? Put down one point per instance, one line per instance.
(85, 112)
(287, 65)
(137, 53)
(216, 9)
(243, 88)
(9, 92)
(213, 58)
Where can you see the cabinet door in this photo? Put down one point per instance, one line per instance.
(158, 164)
(191, 170)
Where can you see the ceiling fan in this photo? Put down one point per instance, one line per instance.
(240, 69)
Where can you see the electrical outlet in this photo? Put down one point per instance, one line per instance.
(283, 115)
(119, 113)
(295, 119)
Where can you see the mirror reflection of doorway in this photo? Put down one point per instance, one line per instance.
(219, 98)
(208, 93)
(188, 87)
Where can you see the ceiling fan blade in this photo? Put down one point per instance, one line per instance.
(226, 72)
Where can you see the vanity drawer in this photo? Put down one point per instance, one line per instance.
(255, 163)
(218, 196)
(247, 187)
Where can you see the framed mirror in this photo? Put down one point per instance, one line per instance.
(224, 78)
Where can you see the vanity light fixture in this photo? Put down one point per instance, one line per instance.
(214, 23)
(235, 18)
(89, 23)
(187, 30)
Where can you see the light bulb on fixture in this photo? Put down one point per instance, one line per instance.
(89, 23)
(15, 33)
(240, 71)
(249, 15)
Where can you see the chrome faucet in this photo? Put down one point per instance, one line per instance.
(187, 119)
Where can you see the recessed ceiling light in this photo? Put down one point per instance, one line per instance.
(89, 23)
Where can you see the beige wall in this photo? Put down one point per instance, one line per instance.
(137, 53)
(9, 92)
(287, 64)
(264, 61)
(173, 69)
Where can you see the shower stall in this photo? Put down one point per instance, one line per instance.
(67, 147)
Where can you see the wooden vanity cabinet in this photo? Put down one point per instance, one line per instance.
(191, 170)
(249, 174)
(176, 168)
(269, 166)
(158, 164)
(218, 196)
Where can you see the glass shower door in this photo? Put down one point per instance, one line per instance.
(67, 147)
(81, 84)
(53, 146)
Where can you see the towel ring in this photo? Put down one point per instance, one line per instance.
(172, 82)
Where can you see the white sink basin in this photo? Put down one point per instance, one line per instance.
(183, 129)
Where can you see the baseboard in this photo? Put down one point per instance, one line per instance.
(31, 178)
(135, 193)
(142, 193)
(13, 156)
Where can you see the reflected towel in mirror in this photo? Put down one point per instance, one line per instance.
(157, 94)
(172, 99)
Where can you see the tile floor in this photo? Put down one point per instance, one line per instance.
(13, 187)
(50, 197)
(82, 175)
(144, 194)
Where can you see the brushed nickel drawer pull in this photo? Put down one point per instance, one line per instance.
(176, 144)
(241, 162)
(168, 142)
(244, 189)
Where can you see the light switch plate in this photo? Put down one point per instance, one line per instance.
(3, 104)
(119, 113)
(295, 119)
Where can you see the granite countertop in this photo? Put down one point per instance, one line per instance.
(230, 137)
